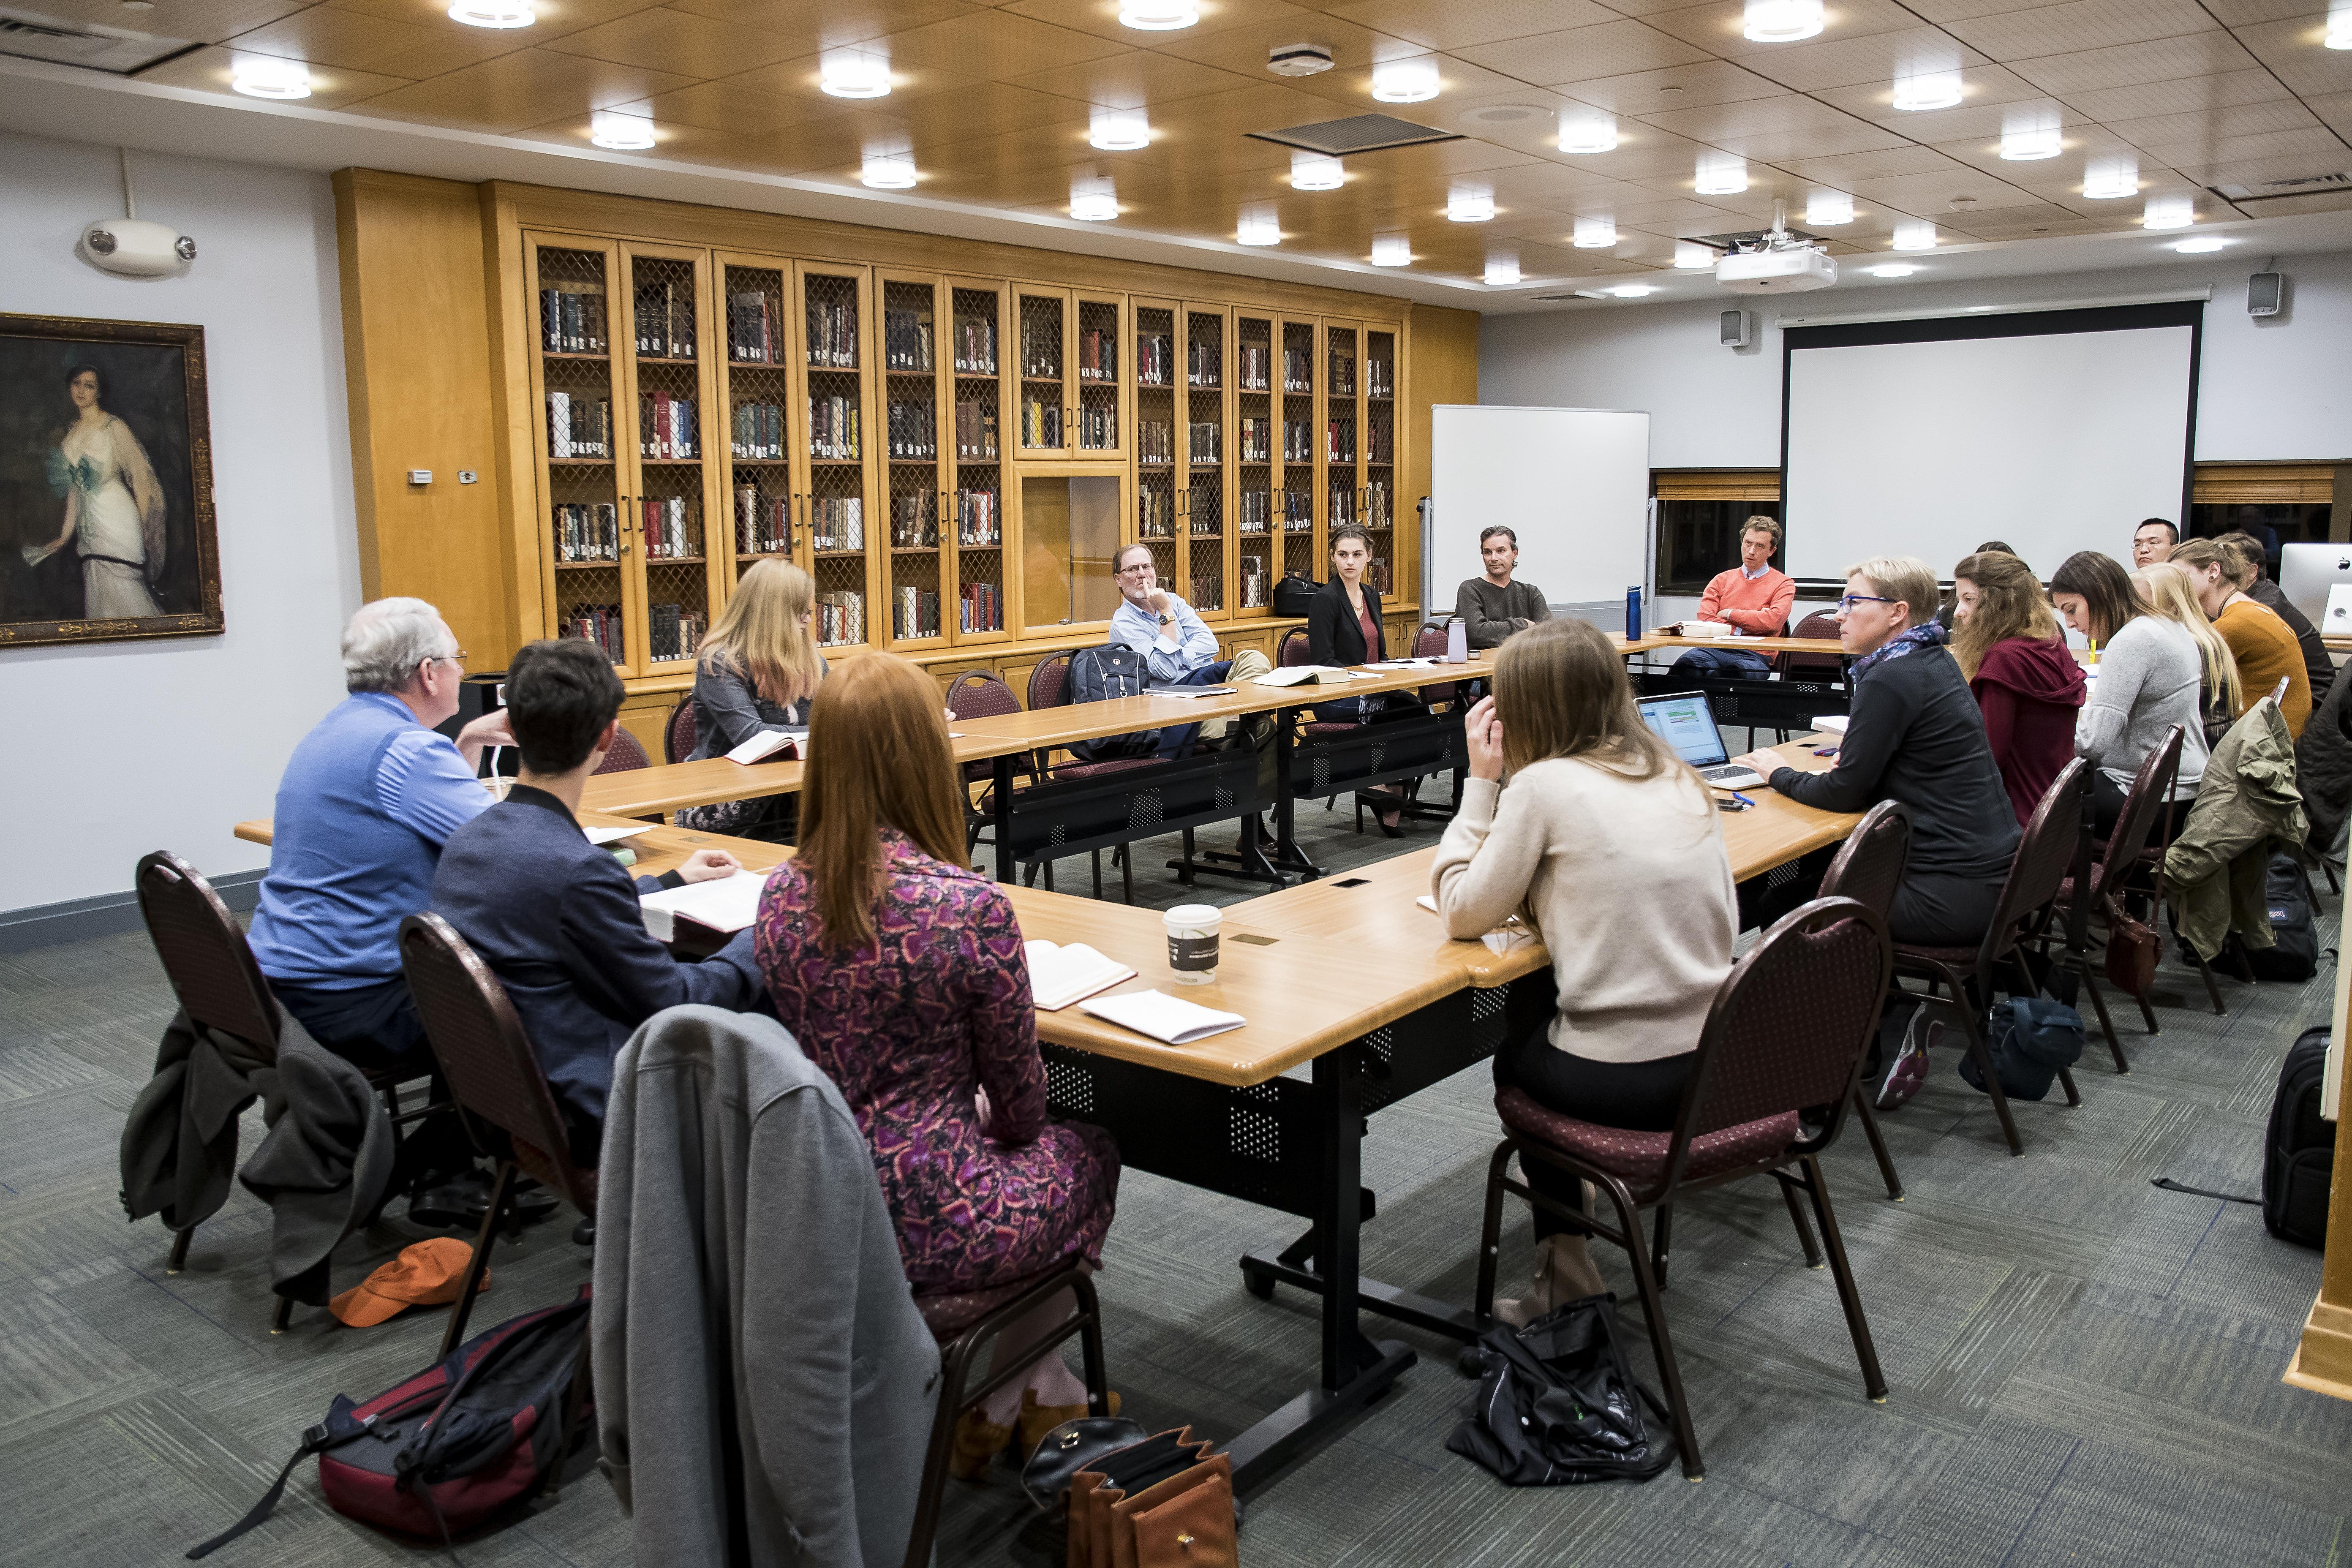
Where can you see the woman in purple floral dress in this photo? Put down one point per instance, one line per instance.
(900, 973)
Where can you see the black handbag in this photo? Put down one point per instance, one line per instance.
(1072, 1446)
(1295, 593)
(1558, 1404)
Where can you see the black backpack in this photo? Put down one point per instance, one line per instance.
(2295, 953)
(2299, 1152)
(1558, 1404)
(1098, 675)
(1293, 595)
(2029, 1040)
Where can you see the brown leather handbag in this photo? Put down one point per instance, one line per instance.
(2133, 948)
(1165, 1502)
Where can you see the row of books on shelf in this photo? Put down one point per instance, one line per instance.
(914, 431)
(1041, 348)
(600, 624)
(977, 519)
(1298, 441)
(1297, 371)
(1343, 377)
(914, 522)
(759, 431)
(914, 613)
(664, 319)
(1209, 591)
(1098, 425)
(1252, 583)
(572, 320)
(1297, 512)
(753, 332)
(1374, 513)
(1206, 439)
(587, 531)
(1379, 445)
(1256, 433)
(672, 633)
(672, 527)
(1154, 442)
(833, 427)
(840, 618)
(906, 339)
(1339, 441)
(763, 523)
(1253, 366)
(975, 428)
(1379, 378)
(833, 332)
(980, 608)
(1204, 519)
(975, 345)
(1155, 514)
(836, 522)
(667, 429)
(1254, 512)
(1041, 424)
(1154, 359)
(1203, 364)
(578, 426)
(1097, 354)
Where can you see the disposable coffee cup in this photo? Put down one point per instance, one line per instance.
(1192, 942)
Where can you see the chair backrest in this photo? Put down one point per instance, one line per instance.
(1430, 643)
(626, 755)
(679, 734)
(980, 694)
(2143, 805)
(1292, 649)
(1049, 683)
(493, 1073)
(205, 953)
(1819, 623)
(2045, 853)
(1869, 865)
(1791, 1023)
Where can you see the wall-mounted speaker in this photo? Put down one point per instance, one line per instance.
(1735, 326)
(2265, 293)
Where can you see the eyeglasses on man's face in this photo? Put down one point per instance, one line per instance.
(1139, 566)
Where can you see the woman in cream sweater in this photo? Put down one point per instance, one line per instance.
(1613, 849)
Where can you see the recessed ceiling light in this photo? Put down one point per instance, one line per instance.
(1721, 175)
(1158, 16)
(1595, 233)
(2030, 132)
(265, 78)
(1118, 130)
(2170, 212)
(2340, 26)
(1828, 210)
(1392, 250)
(1631, 290)
(1315, 171)
(855, 74)
(2109, 177)
(1586, 131)
(1781, 21)
(1470, 207)
(1258, 225)
(888, 172)
(1502, 271)
(1927, 84)
(1690, 255)
(1894, 269)
(493, 13)
(1094, 200)
(1406, 82)
(621, 133)
(2202, 245)
(1915, 234)
(139, 4)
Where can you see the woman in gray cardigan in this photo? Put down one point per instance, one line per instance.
(2150, 678)
(756, 671)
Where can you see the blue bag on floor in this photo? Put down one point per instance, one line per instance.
(2029, 1040)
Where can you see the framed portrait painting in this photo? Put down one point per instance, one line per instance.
(106, 482)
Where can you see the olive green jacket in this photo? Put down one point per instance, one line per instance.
(2247, 806)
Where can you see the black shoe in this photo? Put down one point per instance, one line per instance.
(462, 1201)
(584, 1234)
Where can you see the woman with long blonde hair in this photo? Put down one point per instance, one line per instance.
(1608, 845)
(2169, 592)
(2262, 646)
(756, 671)
(2028, 685)
(901, 972)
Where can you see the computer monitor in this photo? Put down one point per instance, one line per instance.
(1683, 721)
(2308, 570)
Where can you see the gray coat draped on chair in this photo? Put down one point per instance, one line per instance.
(178, 1142)
(2247, 804)
(764, 1383)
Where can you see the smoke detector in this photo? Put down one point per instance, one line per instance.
(1298, 59)
(1775, 261)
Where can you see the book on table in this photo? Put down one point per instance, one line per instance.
(613, 835)
(1059, 975)
(767, 743)
(1191, 690)
(1312, 674)
(1171, 1020)
(724, 904)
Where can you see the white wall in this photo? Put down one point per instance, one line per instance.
(119, 748)
(2271, 388)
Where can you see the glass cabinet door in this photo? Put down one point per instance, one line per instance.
(1256, 461)
(1042, 324)
(1379, 427)
(579, 442)
(911, 350)
(1302, 546)
(762, 418)
(1098, 365)
(1069, 521)
(1341, 407)
(974, 507)
(1207, 526)
(1157, 432)
(664, 510)
(837, 452)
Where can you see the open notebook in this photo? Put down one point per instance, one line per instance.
(1312, 674)
(768, 743)
(1061, 975)
(725, 904)
(1169, 1019)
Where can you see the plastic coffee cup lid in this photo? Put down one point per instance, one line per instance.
(1192, 915)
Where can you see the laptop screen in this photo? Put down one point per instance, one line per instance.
(1682, 720)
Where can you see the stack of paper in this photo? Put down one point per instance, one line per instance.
(724, 904)
(610, 834)
(1169, 1019)
(1061, 975)
(1829, 723)
(1312, 674)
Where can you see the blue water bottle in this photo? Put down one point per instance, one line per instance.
(1632, 614)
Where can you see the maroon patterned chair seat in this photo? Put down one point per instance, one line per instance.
(680, 734)
(626, 755)
(1639, 1159)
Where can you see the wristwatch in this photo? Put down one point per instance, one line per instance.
(1167, 619)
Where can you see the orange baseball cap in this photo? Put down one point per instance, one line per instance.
(425, 1274)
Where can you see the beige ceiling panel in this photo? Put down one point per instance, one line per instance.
(1693, 86)
(1137, 78)
(1871, 61)
(326, 36)
(1840, 174)
(725, 106)
(674, 141)
(2334, 108)
(2293, 50)
(2080, 24)
(1468, 22)
(1457, 79)
(1942, 11)
(2259, 171)
(1984, 122)
(804, 77)
(992, 108)
(1242, 49)
(206, 21)
(2254, 13)
(2224, 89)
(1437, 159)
(211, 70)
(2213, 125)
(1931, 195)
(822, 25)
(1716, 27)
(2316, 147)
(1583, 54)
(1561, 189)
(2129, 65)
(1775, 130)
(1100, 17)
(1675, 216)
(666, 40)
(2030, 223)
(1643, 153)
(557, 18)
(530, 87)
(1981, 87)
(1523, 119)
(1019, 153)
(995, 44)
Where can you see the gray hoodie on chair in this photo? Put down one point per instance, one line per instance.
(764, 1384)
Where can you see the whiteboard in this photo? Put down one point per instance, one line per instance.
(1574, 482)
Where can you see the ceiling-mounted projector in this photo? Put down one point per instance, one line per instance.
(1775, 261)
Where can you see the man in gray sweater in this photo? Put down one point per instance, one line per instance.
(1494, 605)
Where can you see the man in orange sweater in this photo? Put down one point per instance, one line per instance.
(1752, 596)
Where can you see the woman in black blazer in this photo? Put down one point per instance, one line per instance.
(1343, 627)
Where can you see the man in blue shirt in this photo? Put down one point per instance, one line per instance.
(366, 802)
(1177, 648)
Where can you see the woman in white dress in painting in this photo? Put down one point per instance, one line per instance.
(114, 508)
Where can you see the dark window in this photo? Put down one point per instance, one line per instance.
(2274, 525)
(1697, 539)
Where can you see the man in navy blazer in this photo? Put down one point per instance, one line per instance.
(554, 916)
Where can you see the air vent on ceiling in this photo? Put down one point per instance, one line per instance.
(2275, 190)
(1557, 298)
(37, 38)
(1357, 133)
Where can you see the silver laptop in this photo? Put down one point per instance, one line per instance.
(1683, 721)
(2308, 570)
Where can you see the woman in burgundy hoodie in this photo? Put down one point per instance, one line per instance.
(2006, 639)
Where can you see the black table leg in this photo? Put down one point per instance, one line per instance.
(1286, 857)
(1354, 1371)
(1006, 871)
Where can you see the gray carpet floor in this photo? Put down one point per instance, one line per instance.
(2085, 1368)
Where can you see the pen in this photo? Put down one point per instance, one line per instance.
(1745, 804)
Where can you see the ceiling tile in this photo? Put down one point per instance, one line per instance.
(729, 107)
(1980, 86)
(1840, 174)
(557, 18)
(804, 77)
(2026, 223)
(1942, 11)
(1872, 60)
(827, 26)
(324, 35)
(2080, 24)
(2221, 90)
(1581, 53)
(2128, 65)
(666, 40)
(1774, 129)
(2316, 151)
(1983, 119)
(1136, 79)
(2293, 50)
(530, 87)
(205, 21)
(1468, 22)
(1100, 17)
(1457, 79)
(2252, 13)
(1931, 195)
(1717, 28)
(1694, 86)
(1643, 151)
(211, 70)
(2212, 124)
(674, 141)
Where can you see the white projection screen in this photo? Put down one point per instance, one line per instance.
(2055, 430)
